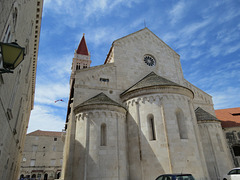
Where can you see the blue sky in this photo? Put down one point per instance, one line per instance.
(205, 33)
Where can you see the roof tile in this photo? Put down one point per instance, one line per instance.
(229, 117)
(45, 133)
(151, 79)
(82, 47)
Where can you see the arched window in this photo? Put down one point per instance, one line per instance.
(21, 177)
(103, 135)
(46, 176)
(181, 124)
(219, 142)
(151, 127)
(58, 175)
(34, 176)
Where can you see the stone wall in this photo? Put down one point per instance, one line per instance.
(20, 22)
(215, 149)
(42, 155)
(170, 151)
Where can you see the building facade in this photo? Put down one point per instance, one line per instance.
(230, 119)
(136, 117)
(20, 22)
(42, 155)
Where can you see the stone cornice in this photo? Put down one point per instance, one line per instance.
(100, 114)
(36, 45)
(80, 109)
(156, 90)
(209, 121)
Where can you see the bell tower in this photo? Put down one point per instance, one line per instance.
(81, 57)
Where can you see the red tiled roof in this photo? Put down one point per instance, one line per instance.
(45, 133)
(229, 117)
(82, 47)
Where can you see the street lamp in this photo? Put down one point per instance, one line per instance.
(12, 56)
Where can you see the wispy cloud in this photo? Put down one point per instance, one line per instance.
(103, 7)
(177, 12)
(46, 118)
(226, 98)
(48, 93)
(205, 34)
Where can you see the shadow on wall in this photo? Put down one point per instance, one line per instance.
(143, 162)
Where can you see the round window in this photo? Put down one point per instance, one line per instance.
(149, 60)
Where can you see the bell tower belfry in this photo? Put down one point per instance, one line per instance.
(81, 57)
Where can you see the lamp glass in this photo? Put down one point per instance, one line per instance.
(12, 55)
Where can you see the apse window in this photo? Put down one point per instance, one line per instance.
(103, 135)
(151, 127)
(181, 124)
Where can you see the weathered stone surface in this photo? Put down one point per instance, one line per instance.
(158, 131)
(20, 21)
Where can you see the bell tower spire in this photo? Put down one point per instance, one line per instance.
(82, 57)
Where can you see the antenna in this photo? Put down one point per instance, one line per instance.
(144, 23)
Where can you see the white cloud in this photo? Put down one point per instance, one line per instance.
(177, 12)
(45, 118)
(104, 35)
(229, 15)
(222, 49)
(227, 98)
(48, 93)
(190, 29)
(103, 7)
(231, 49)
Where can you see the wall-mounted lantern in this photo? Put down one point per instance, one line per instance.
(12, 56)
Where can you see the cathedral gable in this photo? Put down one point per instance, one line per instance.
(143, 52)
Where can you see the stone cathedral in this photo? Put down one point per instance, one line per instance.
(136, 117)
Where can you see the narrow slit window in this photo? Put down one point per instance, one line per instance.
(103, 135)
(151, 128)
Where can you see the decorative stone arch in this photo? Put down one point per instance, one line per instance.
(46, 176)
(181, 122)
(33, 176)
(58, 175)
(21, 177)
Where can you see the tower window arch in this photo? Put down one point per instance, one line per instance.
(181, 122)
(103, 135)
(151, 127)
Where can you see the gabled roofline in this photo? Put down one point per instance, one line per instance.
(136, 33)
(143, 30)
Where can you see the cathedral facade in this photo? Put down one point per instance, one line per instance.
(136, 117)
